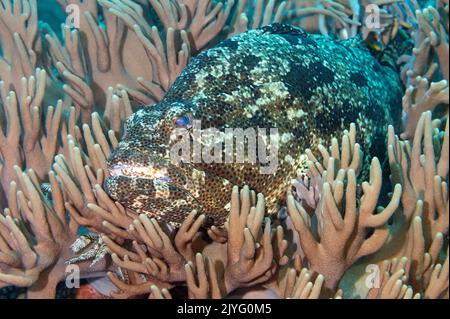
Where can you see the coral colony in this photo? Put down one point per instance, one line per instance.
(200, 149)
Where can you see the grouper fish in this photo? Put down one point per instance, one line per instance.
(307, 87)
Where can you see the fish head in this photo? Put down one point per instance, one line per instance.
(148, 174)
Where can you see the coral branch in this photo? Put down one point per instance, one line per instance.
(343, 231)
(422, 169)
(249, 261)
(35, 238)
(202, 279)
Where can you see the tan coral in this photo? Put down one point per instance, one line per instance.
(28, 120)
(34, 256)
(392, 285)
(422, 169)
(423, 91)
(21, 43)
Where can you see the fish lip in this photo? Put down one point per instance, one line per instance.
(137, 164)
(178, 188)
(129, 155)
(165, 179)
(117, 170)
(117, 163)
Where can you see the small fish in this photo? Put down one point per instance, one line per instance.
(308, 87)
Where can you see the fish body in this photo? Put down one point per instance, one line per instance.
(307, 87)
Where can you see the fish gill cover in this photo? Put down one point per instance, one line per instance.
(191, 149)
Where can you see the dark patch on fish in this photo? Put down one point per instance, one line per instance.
(358, 79)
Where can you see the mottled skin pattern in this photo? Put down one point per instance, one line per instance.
(309, 87)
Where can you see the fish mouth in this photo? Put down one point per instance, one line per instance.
(143, 172)
(153, 197)
(136, 164)
(152, 185)
(155, 186)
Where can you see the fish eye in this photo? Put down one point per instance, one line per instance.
(184, 121)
